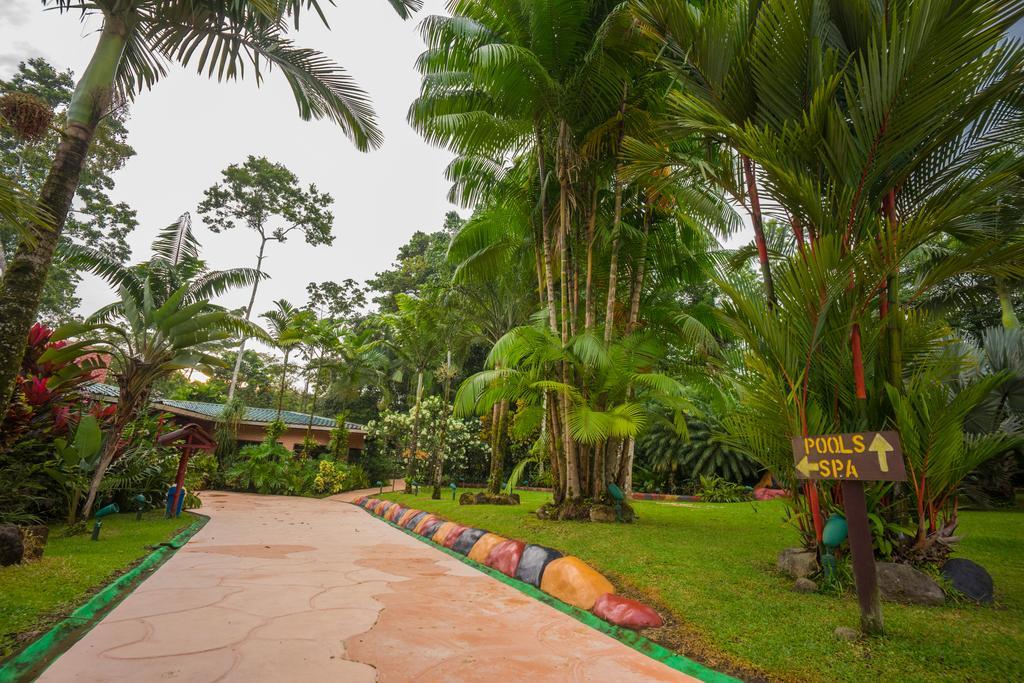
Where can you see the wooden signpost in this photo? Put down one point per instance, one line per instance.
(853, 459)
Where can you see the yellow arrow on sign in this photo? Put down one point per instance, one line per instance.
(882, 447)
(807, 467)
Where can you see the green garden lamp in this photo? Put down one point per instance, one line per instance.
(140, 505)
(380, 484)
(618, 496)
(100, 514)
(832, 535)
(454, 488)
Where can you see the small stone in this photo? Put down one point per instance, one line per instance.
(602, 513)
(903, 583)
(971, 579)
(533, 562)
(803, 585)
(797, 562)
(12, 548)
(627, 613)
(846, 633)
(574, 582)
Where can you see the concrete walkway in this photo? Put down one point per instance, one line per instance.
(297, 589)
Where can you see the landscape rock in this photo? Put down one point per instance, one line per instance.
(413, 522)
(483, 547)
(505, 557)
(803, 585)
(442, 531)
(488, 499)
(533, 562)
(429, 527)
(971, 579)
(574, 582)
(406, 516)
(12, 549)
(846, 633)
(453, 535)
(797, 562)
(627, 613)
(602, 513)
(903, 583)
(465, 542)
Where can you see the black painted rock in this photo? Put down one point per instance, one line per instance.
(12, 548)
(971, 579)
(903, 583)
(533, 562)
(431, 528)
(411, 524)
(467, 540)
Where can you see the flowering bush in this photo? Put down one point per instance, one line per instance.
(466, 455)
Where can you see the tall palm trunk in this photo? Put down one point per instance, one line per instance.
(410, 467)
(248, 313)
(590, 306)
(758, 222)
(613, 268)
(572, 468)
(133, 395)
(439, 457)
(22, 286)
(280, 391)
(1010, 319)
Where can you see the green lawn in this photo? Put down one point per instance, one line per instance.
(35, 595)
(712, 565)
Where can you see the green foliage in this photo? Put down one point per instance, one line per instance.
(337, 446)
(274, 431)
(336, 477)
(715, 489)
(271, 468)
(691, 455)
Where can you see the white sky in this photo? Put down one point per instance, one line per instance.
(187, 129)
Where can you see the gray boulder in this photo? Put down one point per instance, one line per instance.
(805, 586)
(12, 547)
(797, 562)
(971, 579)
(903, 583)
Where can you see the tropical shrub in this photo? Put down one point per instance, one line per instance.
(715, 489)
(689, 456)
(336, 477)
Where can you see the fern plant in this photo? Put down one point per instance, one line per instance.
(693, 455)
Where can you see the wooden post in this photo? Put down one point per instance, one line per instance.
(179, 480)
(863, 555)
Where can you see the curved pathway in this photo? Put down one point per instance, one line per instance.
(299, 589)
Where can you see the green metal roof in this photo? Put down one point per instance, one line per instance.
(214, 410)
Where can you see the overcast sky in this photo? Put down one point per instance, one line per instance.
(187, 129)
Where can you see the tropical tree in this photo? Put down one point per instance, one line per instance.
(268, 199)
(136, 42)
(285, 325)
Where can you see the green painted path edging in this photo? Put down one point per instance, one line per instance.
(33, 660)
(625, 636)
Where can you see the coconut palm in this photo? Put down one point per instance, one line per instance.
(285, 324)
(137, 41)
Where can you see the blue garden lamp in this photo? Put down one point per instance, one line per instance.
(454, 488)
(618, 496)
(832, 536)
(381, 485)
(100, 514)
(140, 505)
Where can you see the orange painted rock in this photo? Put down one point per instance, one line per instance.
(627, 613)
(406, 516)
(395, 512)
(442, 532)
(430, 528)
(483, 547)
(359, 500)
(428, 522)
(423, 520)
(505, 557)
(453, 535)
(571, 580)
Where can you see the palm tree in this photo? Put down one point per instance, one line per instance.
(285, 324)
(136, 42)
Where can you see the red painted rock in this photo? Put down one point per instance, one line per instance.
(505, 557)
(627, 613)
(359, 500)
(441, 534)
(453, 535)
(483, 547)
(429, 520)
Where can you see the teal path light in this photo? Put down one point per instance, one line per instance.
(834, 533)
(454, 488)
(381, 485)
(140, 505)
(618, 496)
(100, 514)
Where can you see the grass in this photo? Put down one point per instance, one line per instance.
(35, 595)
(712, 566)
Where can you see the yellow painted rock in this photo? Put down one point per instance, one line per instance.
(572, 581)
(483, 546)
(442, 532)
(406, 516)
(423, 522)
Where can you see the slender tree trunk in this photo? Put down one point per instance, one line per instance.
(758, 221)
(638, 275)
(613, 268)
(130, 401)
(410, 467)
(493, 487)
(590, 306)
(22, 286)
(248, 314)
(572, 478)
(549, 276)
(284, 380)
(439, 459)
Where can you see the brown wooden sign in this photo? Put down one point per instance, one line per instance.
(861, 456)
